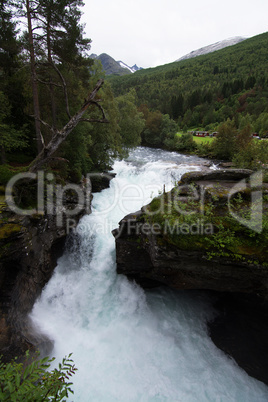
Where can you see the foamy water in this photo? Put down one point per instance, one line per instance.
(130, 344)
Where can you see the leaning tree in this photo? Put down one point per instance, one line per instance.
(55, 44)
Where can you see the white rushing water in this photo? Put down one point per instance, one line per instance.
(130, 344)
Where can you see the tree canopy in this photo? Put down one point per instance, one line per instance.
(53, 90)
(207, 90)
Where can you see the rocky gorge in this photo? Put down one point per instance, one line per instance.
(30, 245)
(180, 250)
(154, 248)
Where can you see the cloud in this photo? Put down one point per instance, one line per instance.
(153, 32)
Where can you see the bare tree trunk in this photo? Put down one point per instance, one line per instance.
(3, 155)
(51, 87)
(60, 135)
(39, 138)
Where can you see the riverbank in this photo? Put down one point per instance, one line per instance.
(129, 335)
(169, 242)
(150, 344)
(30, 245)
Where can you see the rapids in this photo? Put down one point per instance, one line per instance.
(130, 344)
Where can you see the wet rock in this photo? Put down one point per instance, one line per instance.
(217, 175)
(226, 165)
(100, 181)
(29, 249)
(152, 257)
(148, 258)
(144, 251)
(240, 329)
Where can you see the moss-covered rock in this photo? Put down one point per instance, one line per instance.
(200, 235)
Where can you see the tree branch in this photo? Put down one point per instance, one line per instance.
(60, 135)
(49, 83)
(64, 89)
(95, 120)
(103, 120)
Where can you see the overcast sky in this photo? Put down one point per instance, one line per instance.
(155, 32)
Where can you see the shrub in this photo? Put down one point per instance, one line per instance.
(5, 174)
(185, 143)
(32, 382)
(224, 146)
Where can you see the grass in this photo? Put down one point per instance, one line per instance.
(202, 140)
(198, 140)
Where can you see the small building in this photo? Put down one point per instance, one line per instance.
(255, 135)
(202, 133)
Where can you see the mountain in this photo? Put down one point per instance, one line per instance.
(206, 90)
(212, 48)
(113, 67)
(132, 69)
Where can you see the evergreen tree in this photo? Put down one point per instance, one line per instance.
(59, 39)
(225, 145)
(12, 99)
(261, 125)
(10, 137)
(245, 157)
(177, 106)
(54, 37)
(131, 121)
(152, 135)
(9, 45)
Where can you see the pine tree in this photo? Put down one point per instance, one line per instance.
(12, 117)
(8, 43)
(59, 40)
(54, 38)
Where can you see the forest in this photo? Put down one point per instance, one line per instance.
(46, 75)
(45, 78)
(208, 89)
(225, 91)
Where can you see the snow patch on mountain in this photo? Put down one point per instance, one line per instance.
(212, 48)
(131, 69)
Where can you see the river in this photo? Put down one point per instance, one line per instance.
(129, 344)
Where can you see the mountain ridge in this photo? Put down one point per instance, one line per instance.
(212, 48)
(204, 91)
(113, 67)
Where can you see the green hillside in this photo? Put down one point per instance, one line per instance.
(209, 89)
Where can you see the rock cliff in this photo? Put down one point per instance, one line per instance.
(189, 240)
(209, 233)
(29, 249)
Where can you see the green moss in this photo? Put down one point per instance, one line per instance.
(187, 242)
(2, 202)
(228, 238)
(9, 229)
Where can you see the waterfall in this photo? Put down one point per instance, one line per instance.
(130, 344)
